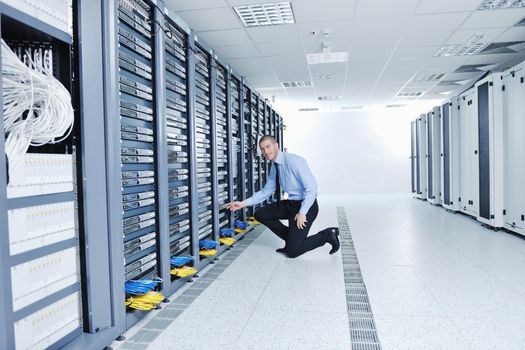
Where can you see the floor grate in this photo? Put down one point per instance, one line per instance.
(166, 316)
(363, 332)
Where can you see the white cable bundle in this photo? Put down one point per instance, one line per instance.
(37, 107)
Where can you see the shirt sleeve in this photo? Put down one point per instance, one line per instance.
(309, 186)
(267, 190)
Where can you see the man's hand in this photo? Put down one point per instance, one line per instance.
(301, 220)
(235, 205)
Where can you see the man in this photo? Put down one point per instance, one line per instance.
(291, 173)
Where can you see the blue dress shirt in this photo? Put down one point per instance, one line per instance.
(295, 178)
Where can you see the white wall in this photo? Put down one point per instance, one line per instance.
(353, 152)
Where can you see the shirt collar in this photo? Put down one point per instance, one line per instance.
(280, 158)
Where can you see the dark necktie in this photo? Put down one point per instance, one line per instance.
(277, 184)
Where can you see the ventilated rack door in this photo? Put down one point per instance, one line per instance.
(236, 142)
(268, 131)
(261, 107)
(203, 144)
(137, 125)
(254, 144)
(247, 131)
(222, 146)
(177, 141)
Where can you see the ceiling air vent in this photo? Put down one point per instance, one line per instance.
(501, 4)
(296, 84)
(306, 109)
(351, 108)
(395, 106)
(412, 94)
(504, 47)
(453, 82)
(428, 77)
(326, 57)
(265, 14)
(459, 50)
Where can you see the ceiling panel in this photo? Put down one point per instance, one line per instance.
(415, 51)
(494, 18)
(440, 21)
(272, 34)
(379, 26)
(433, 6)
(280, 48)
(463, 36)
(381, 8)
(211, 19)
(398, 75)
(176, 5)
(512, 34)
(290, 60)
(229, 37)
(240, 51)
(425, 38)
(326, 10)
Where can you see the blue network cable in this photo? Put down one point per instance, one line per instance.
(141, 287)
(207, 244)
(240, 224)
(226, 232)
(179, 261)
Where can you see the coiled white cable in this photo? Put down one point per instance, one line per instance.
(37, 107)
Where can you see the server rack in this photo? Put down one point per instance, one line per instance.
(254, 145)
(143, 161)
(490, 139)
(450, 150)
(413, 158)
(261, 162)
(225, 195)
(203, 147)
(421, 154)
(434, 155)
(513, 145)
(237, 126)
(469, 163)
(246, 146)
(40, 210)
(177, 143)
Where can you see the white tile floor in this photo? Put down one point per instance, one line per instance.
(436, 280)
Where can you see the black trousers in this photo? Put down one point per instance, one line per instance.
(296, 239)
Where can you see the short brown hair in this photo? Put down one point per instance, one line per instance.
(267, 137)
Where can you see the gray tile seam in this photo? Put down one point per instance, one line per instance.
(363, 333)
(147, 329)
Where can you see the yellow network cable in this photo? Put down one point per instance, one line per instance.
(208, 252)
(238, 230)
(145, 302)
(227, 240)
(183, 271)
(252, 221)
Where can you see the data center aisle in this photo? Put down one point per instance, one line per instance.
(265, 300)
(437, 280)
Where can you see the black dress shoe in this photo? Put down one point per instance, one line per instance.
(333, 239)
(280, 250)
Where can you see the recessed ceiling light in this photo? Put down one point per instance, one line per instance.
(351, 108)
(265, 14)
(326, 57)
(459, 50)
(296, 84)
(328, 98)
(428, 77)
(445, 92)
(324, 77)
(501, 4)
(412, 94)
(308, 109)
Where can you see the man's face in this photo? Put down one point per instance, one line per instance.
(269, 149)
